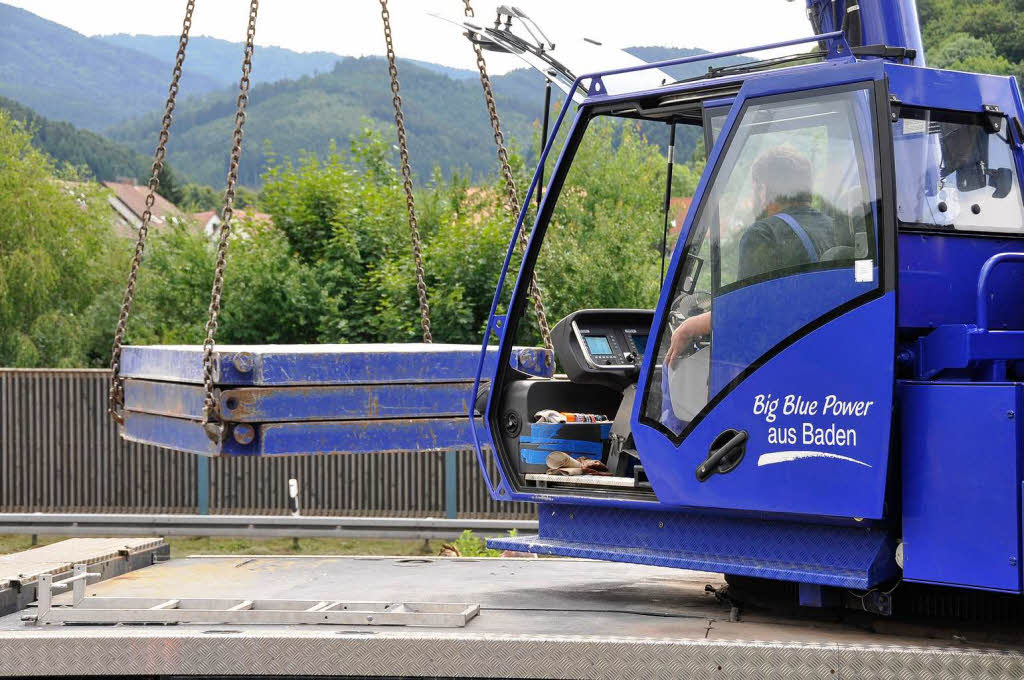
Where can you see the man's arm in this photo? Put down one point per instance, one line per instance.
(693, 327)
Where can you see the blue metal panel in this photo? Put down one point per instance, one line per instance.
(958, 345)
(961, 484)
(787, 469)
(939, 275)
(750, 321)
(177, 434)
(845, 556)
(302, 438)
(370, 436)
(320, 402)
(323, 364)
(949, 89)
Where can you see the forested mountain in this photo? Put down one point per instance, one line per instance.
(102, 158)
(220, 60)
(116, 84)
(65, 75)
(447, 122)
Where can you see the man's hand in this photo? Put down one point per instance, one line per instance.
(693, 327)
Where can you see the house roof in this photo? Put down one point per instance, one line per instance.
(133, 196)
(203, 218)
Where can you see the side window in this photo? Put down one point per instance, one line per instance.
(955, 172)
(785, 234)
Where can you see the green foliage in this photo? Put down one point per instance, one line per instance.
(193, 198)
(602, 247)
(269, 296)
(468, 235)
(448, 124)
(90, 154)
(983, 36)
(962, 52)
(337, 264)
(342, 218)
(56, 258)
(471, 545)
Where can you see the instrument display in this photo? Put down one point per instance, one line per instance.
(598, 345)
(603, 346)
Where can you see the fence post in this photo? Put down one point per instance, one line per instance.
(203, 485)
(451, 484)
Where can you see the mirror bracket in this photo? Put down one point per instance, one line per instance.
(992, 118)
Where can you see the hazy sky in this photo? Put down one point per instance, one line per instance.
(352, 27)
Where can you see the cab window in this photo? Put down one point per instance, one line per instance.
(955, 171)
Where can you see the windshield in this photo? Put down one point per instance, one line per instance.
(953, 173)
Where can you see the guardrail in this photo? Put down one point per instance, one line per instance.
(254, 526)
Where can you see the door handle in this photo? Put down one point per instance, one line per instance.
(725, 454)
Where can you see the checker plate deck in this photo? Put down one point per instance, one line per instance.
(539, 618)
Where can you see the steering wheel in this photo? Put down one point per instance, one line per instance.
(684, 306)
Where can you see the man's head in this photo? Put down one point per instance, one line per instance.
(782, 176)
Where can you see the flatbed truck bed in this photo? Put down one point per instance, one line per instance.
(538, 618)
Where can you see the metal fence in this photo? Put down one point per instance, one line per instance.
(59, 452)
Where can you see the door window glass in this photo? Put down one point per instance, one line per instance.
(786, 233)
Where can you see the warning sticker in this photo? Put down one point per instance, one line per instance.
(864, 271)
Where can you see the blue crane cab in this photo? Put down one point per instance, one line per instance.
(822, 382)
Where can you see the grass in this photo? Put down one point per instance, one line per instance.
(206, 545)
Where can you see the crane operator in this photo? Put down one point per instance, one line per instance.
(789, 231)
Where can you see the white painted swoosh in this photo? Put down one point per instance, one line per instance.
(790, 456)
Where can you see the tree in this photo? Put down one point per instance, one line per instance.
(343, 216)
(269, 295)
(962, 52)
(57, 257)
(998, 25)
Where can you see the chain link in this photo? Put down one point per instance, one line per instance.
(512, 195)
(115, 398)
(410, 201)
(210, 403)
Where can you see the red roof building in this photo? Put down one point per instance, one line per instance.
(129, 202)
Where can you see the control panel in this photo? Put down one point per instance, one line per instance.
(603, 346)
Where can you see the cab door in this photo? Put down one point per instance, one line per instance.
(771, 385)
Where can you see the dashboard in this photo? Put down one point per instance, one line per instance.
(603, 346)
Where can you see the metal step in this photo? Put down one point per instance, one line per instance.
(852, 556)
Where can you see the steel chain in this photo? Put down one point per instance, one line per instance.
(410, 200)
(214, 430)
(512, 195)
(115, 397)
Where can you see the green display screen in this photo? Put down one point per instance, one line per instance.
(598, 344)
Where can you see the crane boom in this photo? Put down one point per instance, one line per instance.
(892, 23)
